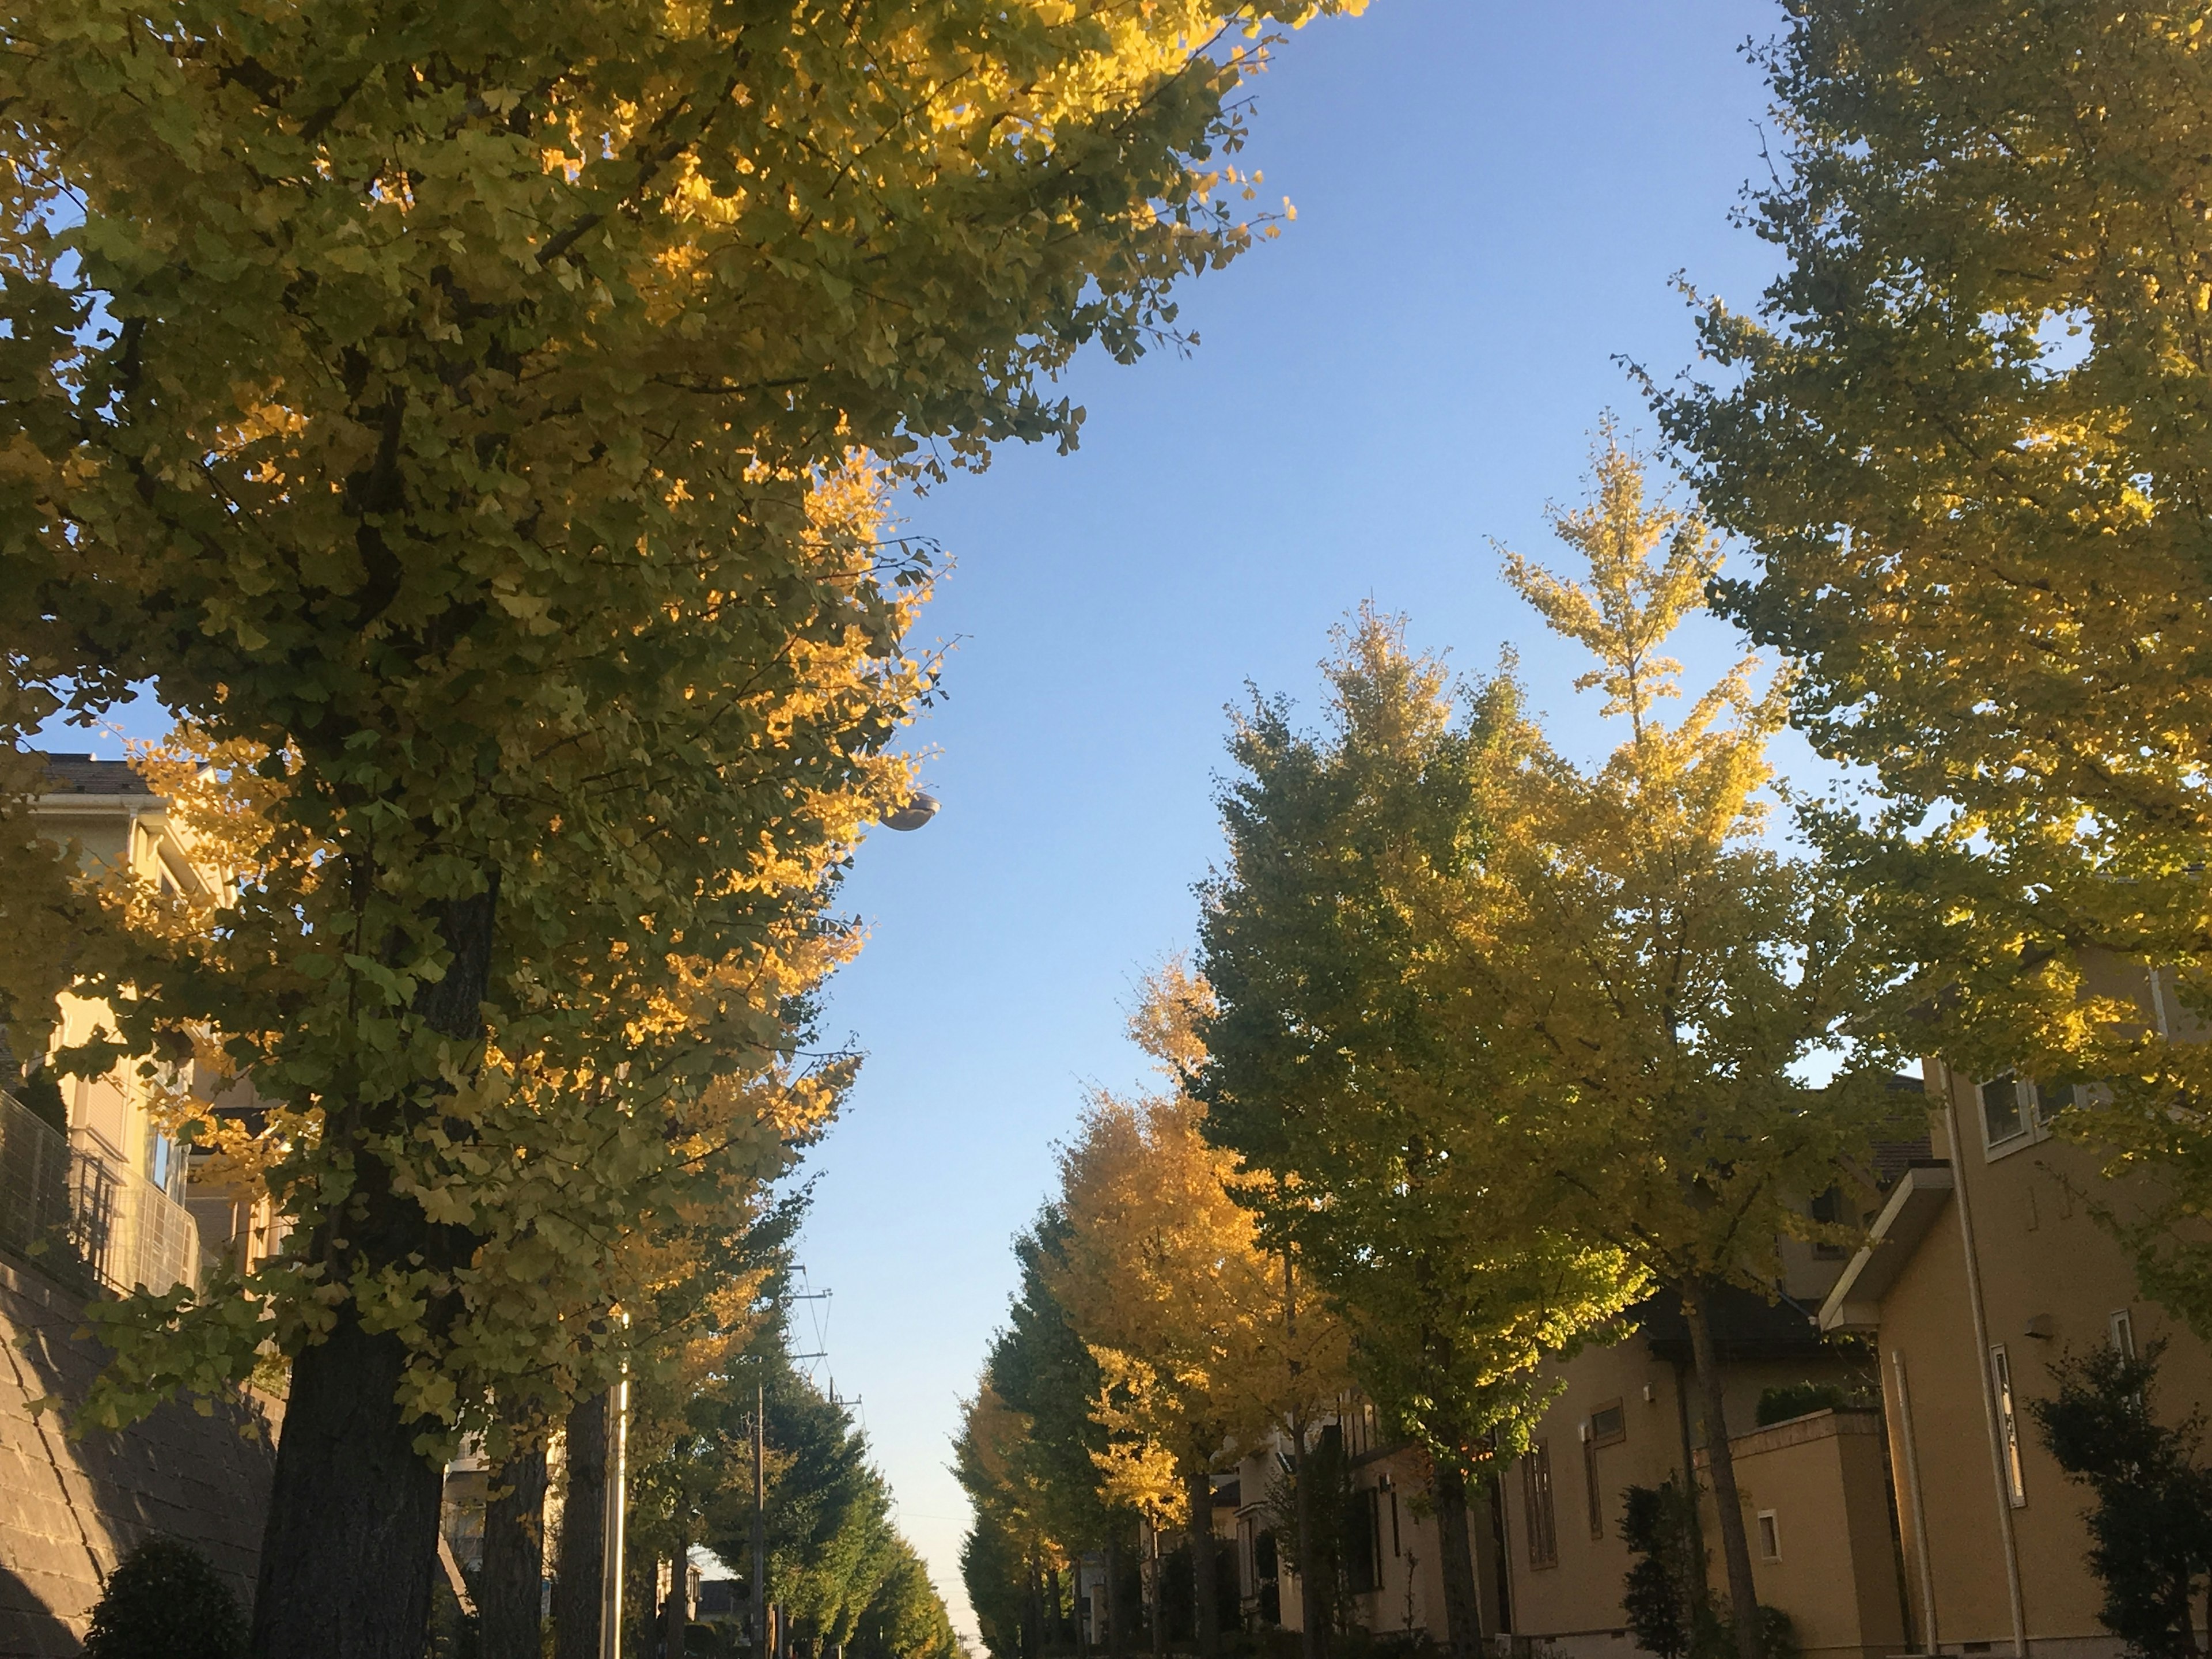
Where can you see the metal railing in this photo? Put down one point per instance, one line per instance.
(83, 1213)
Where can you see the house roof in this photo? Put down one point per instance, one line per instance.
(80, 774)
(1855, 1303)
(1746, 1326)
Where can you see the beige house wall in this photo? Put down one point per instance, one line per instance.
(1576, 1603)
(122, 831)
(1928, 1353)
(2051, 1281)
(1822, 1480)
(1410, 1595)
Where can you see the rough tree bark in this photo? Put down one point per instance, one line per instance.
(1205, 1610)
(676, 1613)
(1735, 1544)
(583, 1527)
(1313, 1632)
(1117, 1635)
(509, 1595)
(1462, 1604)
(1032, 1632)
(1155, 1600)
(350, 1547)
(352, 1536)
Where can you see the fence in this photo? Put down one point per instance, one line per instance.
(78, 1211)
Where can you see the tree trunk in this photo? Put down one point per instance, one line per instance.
(352, 1537)
(1735, 1544)
(510, 1594)
(1206, 1608)
(1313, 1636)
(1463, 1603)
(350, 1547)
(1155, 1589)
(1117, 1641)
(676, 1616)
(583, 1534)
(1032, 1634)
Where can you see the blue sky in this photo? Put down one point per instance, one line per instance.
(1491, 201)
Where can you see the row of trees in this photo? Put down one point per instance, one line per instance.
(1497, 1040)
(471, 419)
(1488, 1046)
(1153, 1335)
(839, 1571)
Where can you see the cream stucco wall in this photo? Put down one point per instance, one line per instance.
(1822, 1480)
(2051, 1281)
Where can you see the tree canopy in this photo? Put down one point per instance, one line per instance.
(1963, 434)
(1362, 1088)
(457, 404)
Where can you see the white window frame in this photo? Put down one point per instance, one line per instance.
(2122, 1325)
(2034, 1119)
(1770, 1536)
(2015, 1472)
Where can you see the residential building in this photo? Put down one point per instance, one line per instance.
(94, 1198)
(1914, 1510)
(104, 1186)
(1984, 1268)
(1626, 1414)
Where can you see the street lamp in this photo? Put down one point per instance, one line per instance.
(912, 813)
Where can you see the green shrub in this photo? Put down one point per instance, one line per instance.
(2150, 1533)
(1778, 1636)
(41, 1096)
(1669, 1609)
(166, 1601)
(1669, 1604)
(1779, 1404)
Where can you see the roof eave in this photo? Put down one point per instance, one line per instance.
(1855, 1303)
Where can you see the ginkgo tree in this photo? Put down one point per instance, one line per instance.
(1201, 1356)
(1708, 1021)
(1361, 1089)
(1962, 434)
(1027, 1454)
(433, 395)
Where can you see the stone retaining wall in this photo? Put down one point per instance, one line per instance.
(70, 1510)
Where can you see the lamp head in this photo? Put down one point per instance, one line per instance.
(912, 813)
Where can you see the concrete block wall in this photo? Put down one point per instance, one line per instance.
(70, 1510)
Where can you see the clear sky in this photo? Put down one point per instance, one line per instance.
(1491, 199)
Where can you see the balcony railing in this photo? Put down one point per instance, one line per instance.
(84, 1214)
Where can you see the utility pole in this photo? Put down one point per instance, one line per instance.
(760, 1522)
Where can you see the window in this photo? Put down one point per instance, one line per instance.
(1828, 1210)
(2017, 1112)
(1543, 1524)
(1770, 1536)
(1606, 1426)
(2004, 1109)
(2124, 1334)
(2008, 1427)
(1592, 1493)
(1363, 1567)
